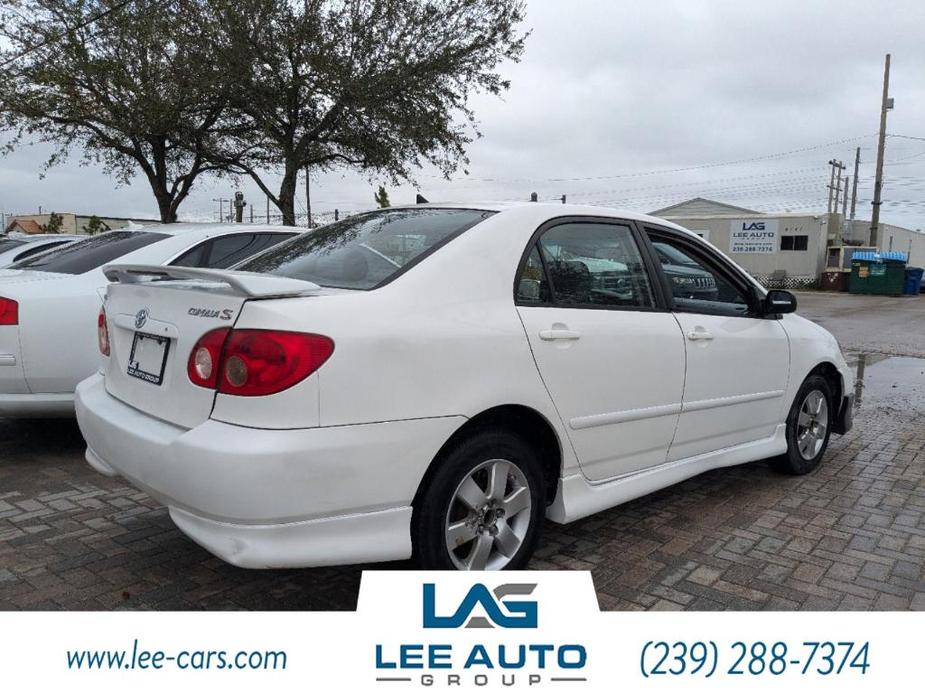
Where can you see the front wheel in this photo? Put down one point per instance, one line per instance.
(809, 426)
(483, 507)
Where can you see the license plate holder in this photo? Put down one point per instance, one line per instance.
(148, 358)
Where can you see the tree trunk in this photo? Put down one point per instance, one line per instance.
(166, 206)
(286, 203)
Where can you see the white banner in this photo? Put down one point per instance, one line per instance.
(755, 235)
(412, 632)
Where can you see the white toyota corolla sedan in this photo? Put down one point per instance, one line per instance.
(49, 304)
(433, 381)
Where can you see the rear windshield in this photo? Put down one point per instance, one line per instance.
(83, 256)
(7, 244)
(366, 250)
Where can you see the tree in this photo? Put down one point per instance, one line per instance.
(382, 197)
(54, 224)
(94, 226)
(125, 82)
(379, 85)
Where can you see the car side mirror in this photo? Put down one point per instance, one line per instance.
(778, 301)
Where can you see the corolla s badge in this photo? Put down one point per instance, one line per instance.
(141, 318)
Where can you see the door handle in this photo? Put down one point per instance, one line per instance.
(559, 334)
(699, 334)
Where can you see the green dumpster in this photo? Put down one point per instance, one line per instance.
(878, 273)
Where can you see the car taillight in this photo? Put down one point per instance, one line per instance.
(205, 358)
(9, 312)
(256, 362)
(102, 332)
(263, 362)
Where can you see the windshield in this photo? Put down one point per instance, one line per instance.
(83, 256)
(367, 250)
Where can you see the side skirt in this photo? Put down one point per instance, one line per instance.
(577, 497)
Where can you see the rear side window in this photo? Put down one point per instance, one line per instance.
(231, 250)
(83, 256)
(9, 244)
(587, 264)
(36, 248)
(367, 250)
(225, 251)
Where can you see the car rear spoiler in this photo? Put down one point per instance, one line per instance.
(250, 284)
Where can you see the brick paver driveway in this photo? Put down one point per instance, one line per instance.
(849, 536)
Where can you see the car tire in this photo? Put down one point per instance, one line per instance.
(809, 426)
(464, 505)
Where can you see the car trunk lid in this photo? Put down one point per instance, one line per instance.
(154, 326)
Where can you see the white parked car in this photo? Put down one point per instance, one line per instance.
(434, 381)
(16, 248)
(49, 304)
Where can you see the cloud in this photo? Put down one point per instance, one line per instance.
(610, 90)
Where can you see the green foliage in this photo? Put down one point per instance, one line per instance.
(95, 225)
(261, 88)
(54, 224)
(382, 197)
(378, 85)
(131, 90)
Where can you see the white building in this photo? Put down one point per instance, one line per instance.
(789, 247)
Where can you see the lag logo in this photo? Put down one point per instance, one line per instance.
(752, 226)
(510, 649)
(521, 614)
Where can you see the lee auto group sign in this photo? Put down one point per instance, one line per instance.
(755, 235)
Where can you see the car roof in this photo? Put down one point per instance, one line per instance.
(551, 210)
(33, 238)
(215, 228)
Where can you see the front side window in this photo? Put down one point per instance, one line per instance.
(593, 264)
(698, 283)
(83, 256)
(366, 250)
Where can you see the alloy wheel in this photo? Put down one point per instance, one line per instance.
(812, 424)
(489, 516)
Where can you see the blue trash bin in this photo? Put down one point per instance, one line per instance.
(913, 280)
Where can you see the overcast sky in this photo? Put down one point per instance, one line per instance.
(640, 105)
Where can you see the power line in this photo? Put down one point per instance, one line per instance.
(654, 172)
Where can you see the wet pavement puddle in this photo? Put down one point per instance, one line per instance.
(890, 385)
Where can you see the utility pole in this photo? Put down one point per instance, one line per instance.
(886, 103)
(268, 209)
(854, 187)
(844, 200)
(837, 186)
(834, 184)
(308, 198)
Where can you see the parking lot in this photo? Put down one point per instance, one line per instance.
(849, 536)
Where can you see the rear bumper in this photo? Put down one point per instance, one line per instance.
(845, 418)
(270, 498)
